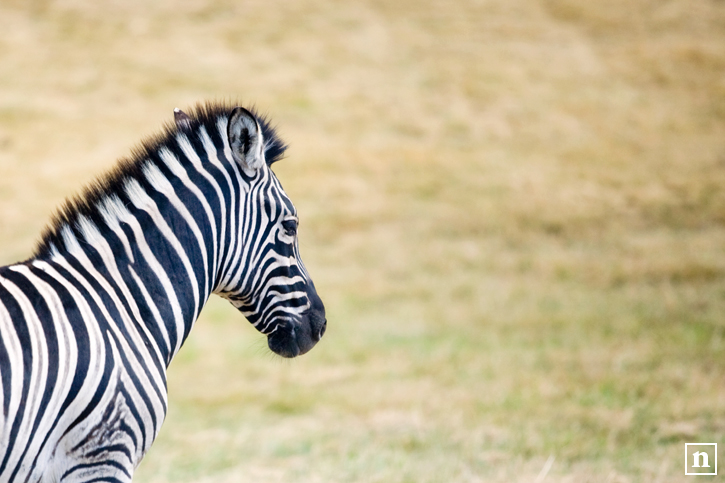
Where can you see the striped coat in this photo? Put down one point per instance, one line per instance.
(90, 323)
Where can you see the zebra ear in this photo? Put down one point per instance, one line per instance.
(245, 139)
(181, 119)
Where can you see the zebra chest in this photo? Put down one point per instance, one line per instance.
(99, 425)
(110, 439)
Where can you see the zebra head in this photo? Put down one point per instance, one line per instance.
(264, 276)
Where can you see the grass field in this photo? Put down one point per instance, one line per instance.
(514, 211)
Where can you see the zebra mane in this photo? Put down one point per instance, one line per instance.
(86, 203)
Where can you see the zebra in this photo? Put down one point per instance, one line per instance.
(90, 323)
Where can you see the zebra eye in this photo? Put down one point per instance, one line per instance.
(290, 227)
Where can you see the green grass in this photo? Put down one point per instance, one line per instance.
(513, 210)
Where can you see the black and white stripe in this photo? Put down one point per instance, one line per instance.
(90, 323)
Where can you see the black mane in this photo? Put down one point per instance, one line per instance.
(85, 203)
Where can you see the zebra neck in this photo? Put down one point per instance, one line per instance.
(157, 236)
(153, 257)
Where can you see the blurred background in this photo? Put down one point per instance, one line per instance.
(514, 211)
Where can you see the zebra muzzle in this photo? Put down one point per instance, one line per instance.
(293, 338)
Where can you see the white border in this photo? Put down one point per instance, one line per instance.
(701, 444)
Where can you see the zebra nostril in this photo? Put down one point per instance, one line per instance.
(318, 328)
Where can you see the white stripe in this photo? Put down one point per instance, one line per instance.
(67, 359)
(137, 366)
(196, 162)
(237, 244)
(144, 202)
(224, 167)
(115, 212)
(13, 346)
(173, 164)
(38, 374)
(132, 323)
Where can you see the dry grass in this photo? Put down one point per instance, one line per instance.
(514, 211)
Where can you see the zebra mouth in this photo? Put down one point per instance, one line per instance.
(293, 338)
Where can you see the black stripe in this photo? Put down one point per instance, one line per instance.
(21, 328)
(47, 326)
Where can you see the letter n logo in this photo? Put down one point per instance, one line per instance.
(701, 458)
(696, 459)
